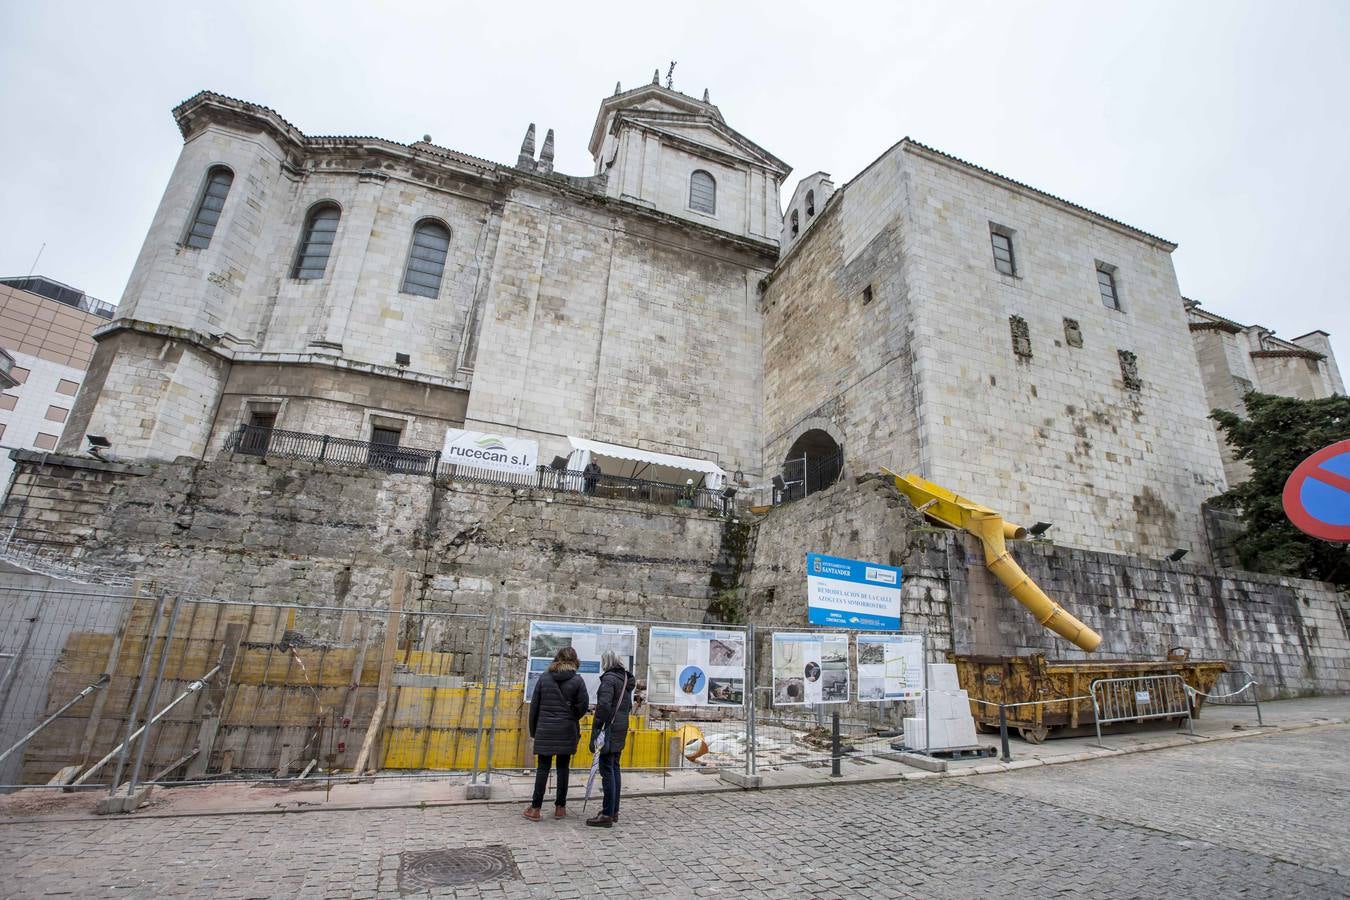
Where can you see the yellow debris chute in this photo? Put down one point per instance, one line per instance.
(946, 507)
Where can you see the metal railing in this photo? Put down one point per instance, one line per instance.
(254, 440)
(805, 476)
(1236, 687)
(1140, 698)
(276, 443)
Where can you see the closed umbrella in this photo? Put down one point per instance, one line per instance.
(601, 741)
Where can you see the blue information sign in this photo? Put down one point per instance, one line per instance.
(849, 593)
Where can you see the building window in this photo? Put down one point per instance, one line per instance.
(796, 223)
(56, 414)
(257, 437)
(1106, 283)
(810, 204)
(426, 260)
(8, 401)
(1003, 250)
(19, 374)
(45, 441)
(867, 295)
(67, 387)
(703, 192)
(316, 244)
(218, 181)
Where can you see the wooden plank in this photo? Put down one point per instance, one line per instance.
(391, 629)
(213, 701)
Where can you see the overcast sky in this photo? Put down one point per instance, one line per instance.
(1220, 126)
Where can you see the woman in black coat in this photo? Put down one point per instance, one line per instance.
(613, 703)
(560, 700)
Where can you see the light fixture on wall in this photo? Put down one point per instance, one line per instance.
(97, 444)
(1176, 554)
(1040, 528)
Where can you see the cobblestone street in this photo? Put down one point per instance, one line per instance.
(1257, 817)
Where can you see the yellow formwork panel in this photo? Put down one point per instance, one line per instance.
(436, 728)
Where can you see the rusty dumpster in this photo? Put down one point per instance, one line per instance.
(1023, 679)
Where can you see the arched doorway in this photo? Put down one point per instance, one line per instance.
(813, 463)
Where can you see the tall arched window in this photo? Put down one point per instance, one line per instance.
(316, 244)
(810, 204)
(796, 223)
(218, 181)
(426, 259)
(703, 192)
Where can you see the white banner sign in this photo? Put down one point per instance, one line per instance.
(695, 667)
(589, 640)
(890, 667)
(810, 668)
(489, 451)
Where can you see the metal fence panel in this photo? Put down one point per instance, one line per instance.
(1138, 699)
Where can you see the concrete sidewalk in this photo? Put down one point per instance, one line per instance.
(1217, 723)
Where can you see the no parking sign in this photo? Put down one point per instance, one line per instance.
(1317, 494)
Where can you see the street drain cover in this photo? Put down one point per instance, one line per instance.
(424, 869)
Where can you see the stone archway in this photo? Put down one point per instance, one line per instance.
(813, 462)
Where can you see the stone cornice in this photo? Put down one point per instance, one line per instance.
(236, 356)
(1226, 326)
(1287, 354)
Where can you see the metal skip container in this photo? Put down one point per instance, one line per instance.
(1057, 693)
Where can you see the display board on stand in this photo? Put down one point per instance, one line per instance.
(890, 667)
(590, 640)
(695, 667)
(810, 667)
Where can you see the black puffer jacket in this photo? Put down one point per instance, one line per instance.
(616, 687)
(559, 701)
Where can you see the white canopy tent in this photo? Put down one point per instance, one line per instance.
(645, 464)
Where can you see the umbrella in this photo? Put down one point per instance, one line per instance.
(602, 739)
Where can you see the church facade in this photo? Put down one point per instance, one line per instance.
(928, 316)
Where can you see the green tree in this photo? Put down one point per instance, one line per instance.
(1277, 435)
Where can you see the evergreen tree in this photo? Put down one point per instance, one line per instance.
(1277, 435)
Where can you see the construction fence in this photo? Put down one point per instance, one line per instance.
(108, 686)
(104, 687)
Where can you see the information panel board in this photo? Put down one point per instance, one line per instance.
(588, 639)
(695, 667)
(810, 667)
(890, 667)
(850, 593)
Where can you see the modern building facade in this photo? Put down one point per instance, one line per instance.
(46, 332)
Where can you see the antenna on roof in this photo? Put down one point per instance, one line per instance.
(36, 258)
(670, 76)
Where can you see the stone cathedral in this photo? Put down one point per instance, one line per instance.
(930, 315)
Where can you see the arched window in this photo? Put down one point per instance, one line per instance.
(426, 259)
(796, 223)
(316, 244)
(218, 181)
(702, 192)
(810, 204)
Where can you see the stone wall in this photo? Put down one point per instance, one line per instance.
(249, 529)
(1290, 633)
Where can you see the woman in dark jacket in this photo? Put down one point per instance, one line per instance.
(560, 700)
(613, 703)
